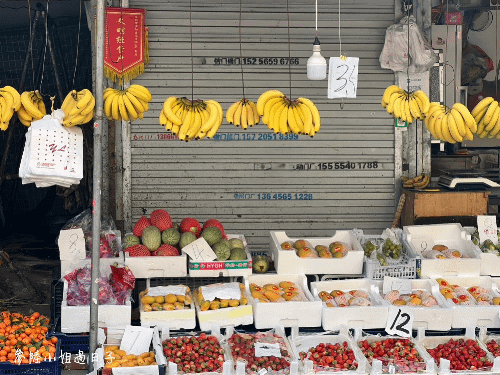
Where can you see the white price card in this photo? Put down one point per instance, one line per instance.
(71, 244)
(221, 291)
(164, 290)
(399, 321)
(403, 286)
(200, 251)
(343, 77)
(263, 349)
(487, 228)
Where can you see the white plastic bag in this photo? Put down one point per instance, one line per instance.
(53, 154)
(394, 55)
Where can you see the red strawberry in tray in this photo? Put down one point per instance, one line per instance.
(141, 224)
(161, 219)
(215, 223)
(138, 251)
(166, 250)
(189, 224)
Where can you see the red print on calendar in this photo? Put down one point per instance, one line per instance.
(53, 148)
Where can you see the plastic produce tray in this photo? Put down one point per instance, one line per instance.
(403, 268)
(43, 368)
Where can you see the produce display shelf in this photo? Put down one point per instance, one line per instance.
(43, 368)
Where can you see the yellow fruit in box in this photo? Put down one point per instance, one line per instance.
(496, 301)
(214, 305)
(224, 303)
(336, 293)
(111, 348)
(147, 300)
(416, 301)
(156, 306)
(234, 303)
(179, 305)
(171, 298)
(243, 301)
(205, 305)
(160, 299)
(180, 298)
(255, 287)
(168, 306)
(286, 284)
(147, 308)
(399, 302)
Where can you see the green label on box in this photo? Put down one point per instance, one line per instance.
(228, 264)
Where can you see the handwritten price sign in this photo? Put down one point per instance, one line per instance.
(71, 244)
(343, 77)
(200, 251)
(399, 321)
(487, 228)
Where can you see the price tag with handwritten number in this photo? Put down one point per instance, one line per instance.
(487, 228)
(403, 286)
(399, 321)
(263, 349)
(71, 243)
(343, 77)
(200, 251)
(422, 244)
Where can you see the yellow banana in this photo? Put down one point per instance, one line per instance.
(468, 134)
(283, 121)
(141, 92)
(23, 115)
(89, 108)
(135, 102)
(108, 104)
(30, 106)
(424, 98)
(493, 120)
(388, 92)
(163, 119)
(452, 126)
(186, 124)
(496, 129)
(67, 101)
(469, 120)
(115, 109)
(297, 113)
(274, 122)
(167, 109)
(272, 112)
(480, 126)
(414, 108)
(230, 112)
(306, 117)
(129, 107)
(17, 98)
(479, 116)
(107, 92)
(265, 97)
(397, 111)
(292, 123)
(82, 102)
(445, 130)
(237, 114)
(244, 123)
(250, 118)
(459, 121)
(481, 105)
(213, 117)
(437, 125)
(175, 129)
(195, 126)
(267, 108)
(314, 112)
(489, 113)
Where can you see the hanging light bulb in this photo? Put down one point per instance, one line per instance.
(316, 64)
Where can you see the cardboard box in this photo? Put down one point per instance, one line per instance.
(227, 268)
(288, 262)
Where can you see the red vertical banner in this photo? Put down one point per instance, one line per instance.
(125, 43)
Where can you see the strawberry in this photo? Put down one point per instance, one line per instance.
(166, 250)
(161, 219)
(189, 224)
(138, 251)
(214, 223)
(141, 224)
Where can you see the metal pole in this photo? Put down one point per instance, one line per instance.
(96, 217)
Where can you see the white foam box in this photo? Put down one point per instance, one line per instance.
(473, 315)
(175, 319)
(490, 263)
(227, 268)
(76, 319)
(428, 362)
(434, 318)
(367, 317)
(288, 262)
(422, 237)
(286, 314)
(302, 343)
(227, 316)
(430, 342)
(157, 266)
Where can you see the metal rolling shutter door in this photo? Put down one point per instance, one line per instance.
(229, 178)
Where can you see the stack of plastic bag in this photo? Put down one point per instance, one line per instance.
(394, 55)
(53, 154)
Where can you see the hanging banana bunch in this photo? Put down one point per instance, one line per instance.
(32, 107)
(450, 125)
(10, 101)
(487, 115)
(405, 106)
(243, 113)
(78, 108)
(128, 105)
(282, 115)
(191, 119)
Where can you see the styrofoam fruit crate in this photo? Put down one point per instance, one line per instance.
(223, 317)
(377, 368)
(157, 266)
(419, 238)
(289, 313)
(76, 319)
(490, 262)
(302, 343)
(155, 344)
(430, 342)
(67, 266)
(173, 319)
(367, 317)
(240, 366)
(435, 318)
(288, 262)
(172, 369)
(467, 315)
(226, 268)
(483, 339)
